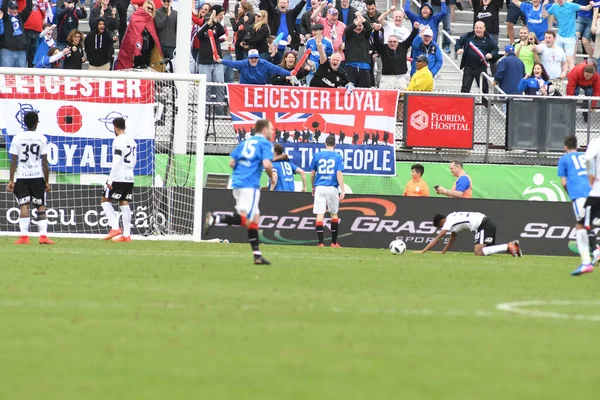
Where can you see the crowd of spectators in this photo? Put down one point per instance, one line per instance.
(351, 42)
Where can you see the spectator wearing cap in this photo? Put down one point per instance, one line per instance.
(333, 29)
(67, 19)
(510, 71)
(14, 44)
(422, 80)
(358, 66)
(329, 74)
(393, 58)
(478, 49)
(425, 45)
(283, 20)
(255, 70)
(311, 45)
(165, 21)
(583, 77)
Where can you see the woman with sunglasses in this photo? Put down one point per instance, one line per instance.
(76, 58)
(289, 62)
(257, 37)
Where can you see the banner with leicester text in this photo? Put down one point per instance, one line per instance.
(363, 123)
(76, 116)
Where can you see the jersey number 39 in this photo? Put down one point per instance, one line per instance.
(33, 149)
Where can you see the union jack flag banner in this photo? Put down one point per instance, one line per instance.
(363, 122)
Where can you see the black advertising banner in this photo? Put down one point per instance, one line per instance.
(544, 228)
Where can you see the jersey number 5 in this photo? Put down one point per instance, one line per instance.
(326, 167)
(28, 149)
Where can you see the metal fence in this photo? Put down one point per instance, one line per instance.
(490, 136)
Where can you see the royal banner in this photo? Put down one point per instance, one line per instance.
(439, 121)
(76, 116)
(363, 122)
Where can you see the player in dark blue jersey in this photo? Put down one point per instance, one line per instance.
(327, 178)
(574, 178)
(283, 172)
(248, 161)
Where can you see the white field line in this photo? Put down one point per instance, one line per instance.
(520, 307)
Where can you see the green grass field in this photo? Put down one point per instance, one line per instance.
(160, 320)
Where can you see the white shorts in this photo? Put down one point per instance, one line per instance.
(393, 82)
(246, 201)
(327, 198)
(567, 44)
(579, 208)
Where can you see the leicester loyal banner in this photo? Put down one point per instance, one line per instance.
(76, 116)
(363, 123)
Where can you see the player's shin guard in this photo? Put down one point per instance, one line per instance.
(235, 219)
(110, 215)
(253, 238)
(126, 212)
(334, 230)
(583, 245)
(489, 250)
(320, 231)
(24, 226)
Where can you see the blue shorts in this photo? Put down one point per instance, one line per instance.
(583, 26)
(513, 13)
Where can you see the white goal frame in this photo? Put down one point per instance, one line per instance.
(180, 135)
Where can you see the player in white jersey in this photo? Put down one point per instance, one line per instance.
(478, 223)
(592, 203)
(29, 163)
(120, 183)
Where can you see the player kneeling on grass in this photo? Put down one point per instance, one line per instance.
(248, 161)
(29, 160)
(327, 167)
(483, 227)
(120, 183)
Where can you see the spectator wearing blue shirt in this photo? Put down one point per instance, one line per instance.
(534, 20)
(462, 188)
(426, 45)
(284, 171)
(254, 70)
(574, 178)
(537, 83)
(327, 167)
(427, 17)
(53, 57)
(311, 45)
(248, 160)
(510, 71)
(565, 14)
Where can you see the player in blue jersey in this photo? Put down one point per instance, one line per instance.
(248, 161)
(573, 175)
(326, 175)
(283, 172)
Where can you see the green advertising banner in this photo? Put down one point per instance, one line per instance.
(508, 182)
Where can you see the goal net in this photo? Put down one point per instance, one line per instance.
(163, 112)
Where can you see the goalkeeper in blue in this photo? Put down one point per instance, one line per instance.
(248, 161)
(573, 169)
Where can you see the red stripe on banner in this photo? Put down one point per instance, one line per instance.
(130, 91)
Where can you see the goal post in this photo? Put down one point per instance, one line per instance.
(76, 109)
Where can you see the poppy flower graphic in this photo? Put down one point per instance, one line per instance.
(315, 122)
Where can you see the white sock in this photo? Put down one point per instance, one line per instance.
(24, 226)
(43, 227)
(583, 245)
(126, 212)
(499, 248)
(111, 215)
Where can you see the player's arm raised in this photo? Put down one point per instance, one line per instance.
(434, 241)
(451, 241)
(14, 162)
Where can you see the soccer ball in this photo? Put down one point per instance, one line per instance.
(397, 247)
